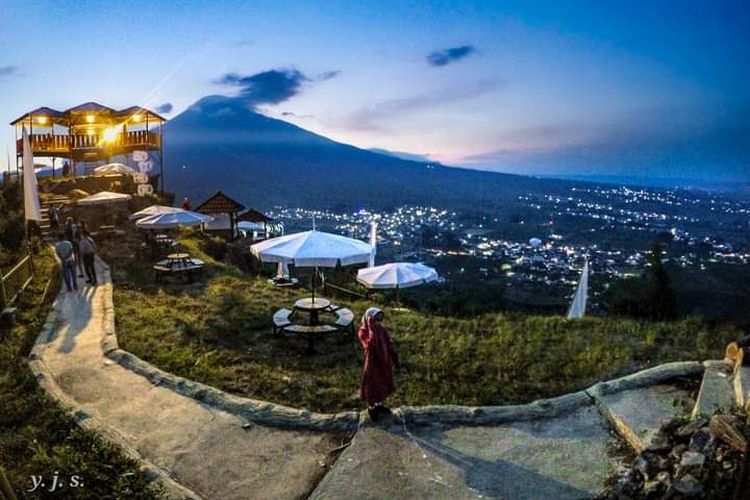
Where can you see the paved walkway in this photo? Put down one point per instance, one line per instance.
(204, 449)
(211, 453)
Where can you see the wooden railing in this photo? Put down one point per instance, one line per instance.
(49, 143)
(15, 281)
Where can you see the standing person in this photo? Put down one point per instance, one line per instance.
(186, 203)
(52, 213)
(380, 359)
(64, 251)
(88, 254)
(73, 234)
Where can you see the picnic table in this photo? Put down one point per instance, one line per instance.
(312, 305)
(283, 320)
(178, 264)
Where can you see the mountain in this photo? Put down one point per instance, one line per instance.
(219, 143)
(403, 155)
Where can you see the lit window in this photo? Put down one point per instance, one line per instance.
(89, 118)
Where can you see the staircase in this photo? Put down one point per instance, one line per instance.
(45, 203)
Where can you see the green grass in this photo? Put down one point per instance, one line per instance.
(219, 332)
(36, 436)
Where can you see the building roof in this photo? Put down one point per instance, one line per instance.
(54, 115)
(71, 116)
(253, 215)
(220, 204)
(138, 110)
(90, 107)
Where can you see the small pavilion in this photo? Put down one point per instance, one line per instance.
(270, 225)
(224, 210)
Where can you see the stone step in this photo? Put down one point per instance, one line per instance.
(742, 385)
(717, 389)
(638, 414)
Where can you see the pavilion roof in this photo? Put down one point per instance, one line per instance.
(138, 110)
(220, 203)
(54, 115)
(253, 215)
(90, 107)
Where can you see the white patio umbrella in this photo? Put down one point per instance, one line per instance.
(313, 249)
(103, 198)
(172, 220)
(114, 168)
(154, 210)
(396, 275)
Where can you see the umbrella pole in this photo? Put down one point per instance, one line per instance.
(312, 279)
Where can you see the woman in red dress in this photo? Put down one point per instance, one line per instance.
(380, 359)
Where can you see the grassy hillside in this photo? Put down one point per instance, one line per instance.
(218, 331)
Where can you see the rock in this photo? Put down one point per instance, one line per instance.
(691, 427)
(677, 451)
(657, 486)
(702, 441)
(662, 463)
(688, 485)
(626, 485)
(646, 465)
(692, 459)
(660, 442)
(652, 489)
(665, 478)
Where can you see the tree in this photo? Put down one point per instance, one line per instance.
(662, 301)
(649, 297)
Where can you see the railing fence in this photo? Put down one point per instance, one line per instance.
(15, 281)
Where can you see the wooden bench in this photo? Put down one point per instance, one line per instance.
(311, 332)
(188, 271)
(281, 319)
(345, 319)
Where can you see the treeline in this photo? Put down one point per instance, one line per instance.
(12, 229)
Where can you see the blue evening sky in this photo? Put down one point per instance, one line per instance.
(653, 88)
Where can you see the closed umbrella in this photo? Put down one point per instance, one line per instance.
(172, 220)
(31, 206)
(313, 249)
(153, 210)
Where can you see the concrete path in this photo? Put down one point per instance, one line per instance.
(205, 450)
(562, 458)
(214, 455)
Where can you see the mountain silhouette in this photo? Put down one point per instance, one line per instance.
(219, 143)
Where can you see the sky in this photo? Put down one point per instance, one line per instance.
(648, 89)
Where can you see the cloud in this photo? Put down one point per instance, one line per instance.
(8, 71)
(267, 87)
(381, 115)
(164, 108)
(328, 75)
(448, 56)
(295, 115)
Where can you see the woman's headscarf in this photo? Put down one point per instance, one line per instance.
(370, 313)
